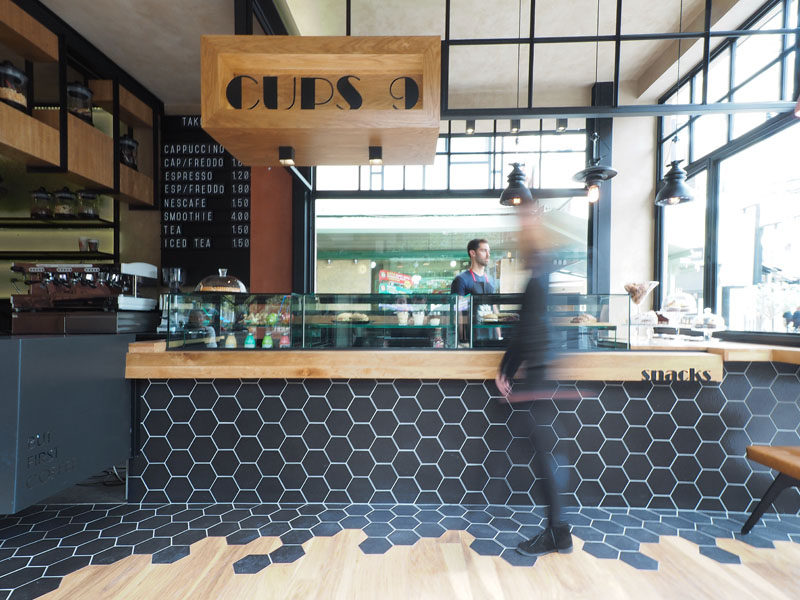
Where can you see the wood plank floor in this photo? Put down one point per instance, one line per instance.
(336, 568)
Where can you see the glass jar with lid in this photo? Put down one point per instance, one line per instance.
(79, 101)
(128, 150)
(41, 204)
(13, 85)
(221, 283)
(708, 323)
(88, 205)
(65, 204)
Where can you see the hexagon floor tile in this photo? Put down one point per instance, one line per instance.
(42, 544)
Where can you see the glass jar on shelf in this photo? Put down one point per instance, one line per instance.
(677, 305)
(79, 101)
(88, 205)
(65, 204)
(13, 85)
(128, 151)
(41, 204)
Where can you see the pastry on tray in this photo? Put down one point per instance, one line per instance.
(348, 317)
(503, 317)
(583, 319)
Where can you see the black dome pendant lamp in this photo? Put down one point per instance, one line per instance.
(595, 173)
(673, 189)
(517, 193)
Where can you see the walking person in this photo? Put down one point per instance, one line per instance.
(531, 348)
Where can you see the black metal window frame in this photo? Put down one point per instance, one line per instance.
(497, 148)
(711, 162)
(618, 38)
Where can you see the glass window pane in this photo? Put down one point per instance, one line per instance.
(393, 177)
(564, 141)
(414, 177)
(558, 169)
(759, 219)
(710, 132)
(765, 87)
(719, 76)
(684, 240)
(471, 143)
(337, 178)
(436, 174)
(469, 172)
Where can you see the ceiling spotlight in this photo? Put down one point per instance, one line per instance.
(376, 155)
(517, 193)
(561, 125)
(470, 126)
(286, 156)
(673, 188)
(514, 125)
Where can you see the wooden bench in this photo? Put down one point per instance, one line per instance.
(785, 460)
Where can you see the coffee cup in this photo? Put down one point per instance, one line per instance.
(419, 318)
(94, 245)
(83, 244)
(402, 318)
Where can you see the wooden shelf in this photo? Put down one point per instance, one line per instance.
(135, 187)
(25, 35)
(132, 111)
(90, 152)
(31, 223)
(28, 255)
(26, 139)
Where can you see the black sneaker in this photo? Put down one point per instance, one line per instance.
(552, 539)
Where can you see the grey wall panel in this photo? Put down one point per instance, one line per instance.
(9, 413)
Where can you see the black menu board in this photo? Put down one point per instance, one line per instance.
(205, 203)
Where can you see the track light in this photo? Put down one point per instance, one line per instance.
(514, 125)
(470, 126)
(561, 125)
(286, 156)
(517, 193)
(376, 155)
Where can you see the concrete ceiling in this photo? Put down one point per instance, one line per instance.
(158, 41)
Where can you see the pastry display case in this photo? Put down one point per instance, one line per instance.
(579, 322)
(220, 321)
(379, 321)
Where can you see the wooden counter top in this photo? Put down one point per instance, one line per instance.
(150, 360)
(729, 351)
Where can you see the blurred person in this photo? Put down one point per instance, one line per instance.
(531, 348)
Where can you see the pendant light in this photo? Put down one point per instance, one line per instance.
(517, 193)
(595, 174)
(673, 189)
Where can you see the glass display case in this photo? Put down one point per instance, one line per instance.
(219, 321)
(379, 321)
(215, 321)
(579, 322)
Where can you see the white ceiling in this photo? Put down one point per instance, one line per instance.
(158, 41)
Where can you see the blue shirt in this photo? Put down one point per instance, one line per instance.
(469, 283)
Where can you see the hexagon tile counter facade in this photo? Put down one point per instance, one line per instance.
(634, 445)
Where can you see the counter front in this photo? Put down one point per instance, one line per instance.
(630, 428)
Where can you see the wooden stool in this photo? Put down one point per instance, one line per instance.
(785, 460)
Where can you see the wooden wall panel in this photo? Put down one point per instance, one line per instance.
(270, 230)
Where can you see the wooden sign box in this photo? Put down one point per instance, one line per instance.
(329, 98)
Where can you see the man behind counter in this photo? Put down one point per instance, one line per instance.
(474, 280)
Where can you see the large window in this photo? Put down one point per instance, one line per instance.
(743, 169)
(758, 282)
(405, 229)
(685, 232)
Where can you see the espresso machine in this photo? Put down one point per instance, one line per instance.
(84, 298)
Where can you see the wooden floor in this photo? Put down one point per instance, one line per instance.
(440, 568)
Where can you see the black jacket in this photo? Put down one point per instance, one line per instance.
(531, 343)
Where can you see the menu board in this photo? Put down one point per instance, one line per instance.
(205, 203)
